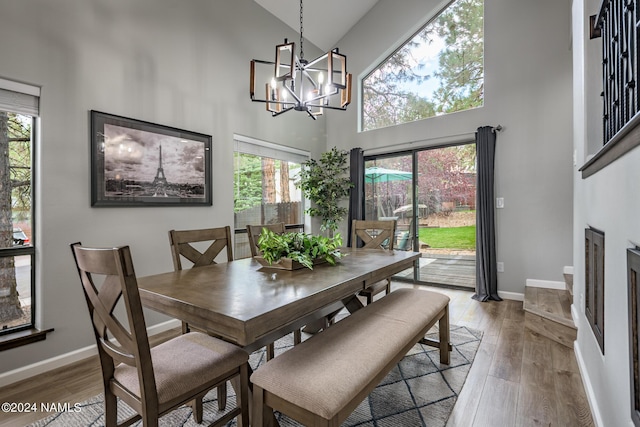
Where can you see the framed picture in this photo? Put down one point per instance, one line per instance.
(136, 163)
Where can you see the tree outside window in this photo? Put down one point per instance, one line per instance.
(439, 71)
(16, 250)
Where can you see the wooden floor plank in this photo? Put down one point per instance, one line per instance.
(573, 408)
(498, 403)
(507, 362)
(467, 404)
(536, 407)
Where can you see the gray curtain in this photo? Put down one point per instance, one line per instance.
(356, 197)
(486, 269)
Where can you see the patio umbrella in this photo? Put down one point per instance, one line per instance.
(375, 175)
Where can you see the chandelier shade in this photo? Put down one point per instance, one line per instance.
(293, 83)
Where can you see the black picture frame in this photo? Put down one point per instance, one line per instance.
(137, 163)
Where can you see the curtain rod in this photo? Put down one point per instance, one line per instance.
(421, 143)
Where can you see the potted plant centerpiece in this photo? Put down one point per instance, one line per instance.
(291, 251)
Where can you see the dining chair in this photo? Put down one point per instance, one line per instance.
(182, 241)
(374, 235)
(152, 381)
(254, 232)
(182, 246)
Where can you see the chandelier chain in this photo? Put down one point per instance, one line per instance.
(301, 29)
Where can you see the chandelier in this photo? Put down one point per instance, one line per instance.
(293, 83)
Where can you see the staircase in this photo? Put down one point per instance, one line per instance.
(548, 312)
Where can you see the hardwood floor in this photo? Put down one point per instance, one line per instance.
(518, 378)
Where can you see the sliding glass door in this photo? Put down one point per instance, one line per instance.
(431, 194)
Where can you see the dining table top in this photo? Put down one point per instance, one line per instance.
(248, 304)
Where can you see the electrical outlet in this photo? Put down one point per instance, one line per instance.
(500, 267)
(500, 202)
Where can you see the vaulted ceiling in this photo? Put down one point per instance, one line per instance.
(325, 22)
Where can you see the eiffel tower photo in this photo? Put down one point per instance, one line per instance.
(160, 181)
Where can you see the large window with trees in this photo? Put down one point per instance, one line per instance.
(264, 188)
(18, 112)
(439, 70)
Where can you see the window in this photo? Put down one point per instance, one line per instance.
(18, 112)
(264, 189)
(439, 71)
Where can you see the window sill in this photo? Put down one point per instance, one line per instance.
(624, 141)
(24, 337)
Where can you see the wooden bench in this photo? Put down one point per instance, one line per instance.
(322, 380)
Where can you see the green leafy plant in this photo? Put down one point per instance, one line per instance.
(326, 182)
(300, 247)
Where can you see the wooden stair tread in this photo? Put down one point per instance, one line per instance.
(552, 304)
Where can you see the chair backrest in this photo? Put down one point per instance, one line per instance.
(180, 242)
(374, 234)
(106, 276)
(254, 232)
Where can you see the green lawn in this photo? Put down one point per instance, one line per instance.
(450, 238)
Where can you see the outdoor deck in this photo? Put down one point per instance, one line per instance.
(446, 269)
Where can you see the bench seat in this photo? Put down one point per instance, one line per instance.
(323, 379)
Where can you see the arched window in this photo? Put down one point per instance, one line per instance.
(438, 71)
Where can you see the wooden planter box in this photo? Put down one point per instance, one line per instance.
(286, 263)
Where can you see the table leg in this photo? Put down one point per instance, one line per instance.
(266, 420)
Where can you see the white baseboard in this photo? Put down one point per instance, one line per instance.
(574, 314)
(586, 381)
(547, 284)
(568, 269)
(515, 296)
(43, 366)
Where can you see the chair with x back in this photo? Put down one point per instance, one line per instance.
(253, 233)
(374, 235)
(182, 246)
(152, 381)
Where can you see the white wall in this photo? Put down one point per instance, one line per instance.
(178, 63)
(527, 91)
(609, 202)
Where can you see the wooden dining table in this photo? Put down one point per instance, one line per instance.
(251, 305)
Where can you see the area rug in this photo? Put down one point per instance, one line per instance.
(419, 391)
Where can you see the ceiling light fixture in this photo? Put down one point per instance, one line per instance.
(301, 85)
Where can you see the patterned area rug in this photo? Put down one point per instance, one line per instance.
(419, 391)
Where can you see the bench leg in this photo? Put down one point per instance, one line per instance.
(443, 326)
(262, 414)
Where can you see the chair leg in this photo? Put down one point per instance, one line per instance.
(297, 337)
(242, 396)
(222, 396)
(270, 351)
(110, 409)
(185, 328)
